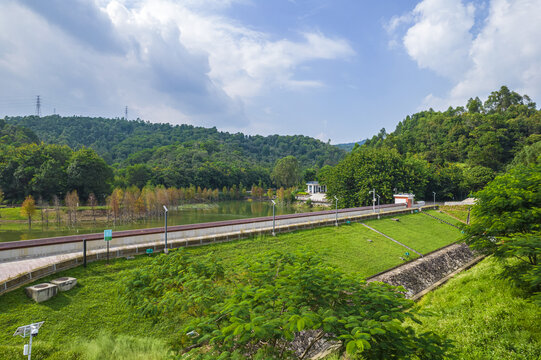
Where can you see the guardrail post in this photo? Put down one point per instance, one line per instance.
(84, 252)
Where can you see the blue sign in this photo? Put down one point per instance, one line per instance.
(107, 235)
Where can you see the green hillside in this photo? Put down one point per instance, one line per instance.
(116, 139)
(486, 316)
(479, 135)
(450, 154)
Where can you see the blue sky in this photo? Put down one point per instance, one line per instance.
(338, 70)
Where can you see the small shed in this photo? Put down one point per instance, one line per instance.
(313, 187)
(404, 199)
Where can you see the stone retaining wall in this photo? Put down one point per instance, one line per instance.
(422, 273)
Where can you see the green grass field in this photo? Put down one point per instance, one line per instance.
(418, 231)
(458, 211)
(93, 307)
(487, 317)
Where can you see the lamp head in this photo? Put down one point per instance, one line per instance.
(165, 208)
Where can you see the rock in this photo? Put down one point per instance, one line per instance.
(65, 283)
(369, 240)
(41, 292)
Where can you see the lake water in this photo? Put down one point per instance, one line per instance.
(225, 210)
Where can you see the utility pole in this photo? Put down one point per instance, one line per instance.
(126, 113)
(38, 106)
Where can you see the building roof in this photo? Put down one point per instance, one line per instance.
(312, 183)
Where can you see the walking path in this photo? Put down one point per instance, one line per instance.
(390, 238)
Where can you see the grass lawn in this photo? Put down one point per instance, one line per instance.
(417, 231)
(444, 216)
(86, 311)
(458, 211)
(487, 317)
(15, 214)
(93, 308)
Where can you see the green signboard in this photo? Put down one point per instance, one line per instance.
(107, 235)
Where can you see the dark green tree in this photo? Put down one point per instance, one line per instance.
(507, 223)
(500, 101)
(258, 309)
(381, 169)
(474, 105)
(88, 173)
(138, 175)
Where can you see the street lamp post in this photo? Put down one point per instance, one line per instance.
(273, 218)
(166, 211)
(336, 213)
(373, 191)
(434, 198)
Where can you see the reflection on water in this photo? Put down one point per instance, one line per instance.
(226, 210)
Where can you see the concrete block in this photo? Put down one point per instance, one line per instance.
(41, 292)
(65, 283)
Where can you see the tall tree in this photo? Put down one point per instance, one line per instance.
(286, 172)
(87, 173)
(374, 168)
(28, 209)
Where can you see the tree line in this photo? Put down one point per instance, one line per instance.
(116, 140)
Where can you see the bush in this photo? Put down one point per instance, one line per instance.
(256, 310)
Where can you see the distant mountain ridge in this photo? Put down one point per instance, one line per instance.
(349, 146)
(117, 139)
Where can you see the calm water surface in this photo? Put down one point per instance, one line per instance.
(226, 210)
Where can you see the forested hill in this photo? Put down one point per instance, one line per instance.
(486, 135)
(16, 135)
(445, 155)
(116, 139)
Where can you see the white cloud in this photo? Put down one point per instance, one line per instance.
(244, 62)
(174, 61)
(505, 51)
(440, 38)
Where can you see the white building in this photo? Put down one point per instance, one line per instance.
(314, 187)
(404, 199)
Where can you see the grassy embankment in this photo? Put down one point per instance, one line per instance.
(487, 317)
(459, 212)
(93, 307)
(419, 231)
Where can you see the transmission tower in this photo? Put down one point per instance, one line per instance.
(126, 113)
(38, 106)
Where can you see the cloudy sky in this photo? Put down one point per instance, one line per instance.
(331, 69)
